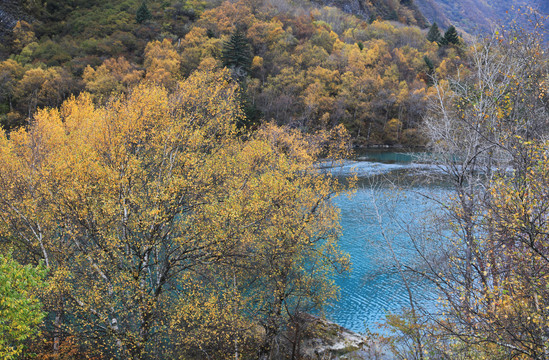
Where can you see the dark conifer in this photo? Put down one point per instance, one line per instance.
(430, 71)
(434, 33)
(451, 36)
(429, 63)
(143, 14)
(236, 54)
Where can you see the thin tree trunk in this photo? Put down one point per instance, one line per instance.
(417, 334)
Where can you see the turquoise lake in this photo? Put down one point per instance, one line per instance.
(396, 186)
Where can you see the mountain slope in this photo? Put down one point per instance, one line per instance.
(476, 16)
(404, 11)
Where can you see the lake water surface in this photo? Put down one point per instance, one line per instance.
(374, 288)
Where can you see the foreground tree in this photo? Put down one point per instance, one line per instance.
(482, 128)
(511, 309)
(137, 204)
(20, 309)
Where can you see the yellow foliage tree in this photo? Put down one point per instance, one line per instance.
(162, 63)
(10, 73)
(136, 204)
(23, 35)
(489, 129)
(113, 76)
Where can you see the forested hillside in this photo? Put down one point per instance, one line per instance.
(299, 65)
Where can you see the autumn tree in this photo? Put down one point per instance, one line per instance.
(28, 90)
(162, 63)
(40, 87)
(512, 307)
(23, 35)
(136, 204)
(485, 125)
(225, 18)
(10, 73)
(196, 47)
(113, 76)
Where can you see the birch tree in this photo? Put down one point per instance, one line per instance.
(137, 206)
(480, 128)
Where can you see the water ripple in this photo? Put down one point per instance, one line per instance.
(373, 288)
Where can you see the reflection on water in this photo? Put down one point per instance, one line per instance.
(373, 288)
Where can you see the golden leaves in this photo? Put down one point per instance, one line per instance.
(138, 203)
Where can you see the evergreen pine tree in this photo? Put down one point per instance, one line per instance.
(251, 114)
(143, 14)
(431, 70)
(434, 33)
(429, 63)
(451, 36)
(236, 54)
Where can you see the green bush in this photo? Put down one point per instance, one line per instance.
(20, 309)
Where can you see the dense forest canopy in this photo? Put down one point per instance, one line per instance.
(309, 67)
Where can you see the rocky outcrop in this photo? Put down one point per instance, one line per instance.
(405, 10)
(328, 340)
(10, 13)
(478, 17)
(355, 7)
(7, 21)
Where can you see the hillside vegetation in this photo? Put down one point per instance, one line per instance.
(307, 67)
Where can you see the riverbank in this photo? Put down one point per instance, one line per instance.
(328, 340)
